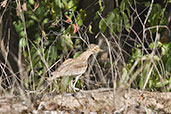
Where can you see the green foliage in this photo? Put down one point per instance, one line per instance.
(101, 6)
(49, 34)
(156, 18)
(150, 76)
(117, 20)
(166, 56)
(22, 42)
(155, 72)
(19, 27)
(49, 37)
(108, 22)
(31, 2)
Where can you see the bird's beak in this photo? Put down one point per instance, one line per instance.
(100, 50)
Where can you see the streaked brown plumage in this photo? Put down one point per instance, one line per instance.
(77, 66)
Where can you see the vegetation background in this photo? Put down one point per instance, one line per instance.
(37, 36)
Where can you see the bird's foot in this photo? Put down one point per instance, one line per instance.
(75, 89)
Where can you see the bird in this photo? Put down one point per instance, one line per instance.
(77, 66)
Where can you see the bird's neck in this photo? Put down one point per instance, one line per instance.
(85, 55)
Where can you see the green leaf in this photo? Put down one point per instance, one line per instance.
(59, 3)
(45, 21)
(21, 33)
(22, 42)
(126, 21)
(34, 18)
(128, 11)
(77, 54)
(102, 25)
(122, 6)
(156, 58)
(90, 29)
(166, 49)
(110, 17)
(136, 53)
(117, 26)
(70, 4)
(79, 20)
(44, 34)
(124, 75)
(168, 65)
(154, 45)
(31, 2)
(101, 7)
(141, 82)
(147, 4)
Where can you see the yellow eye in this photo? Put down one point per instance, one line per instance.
(95, 48)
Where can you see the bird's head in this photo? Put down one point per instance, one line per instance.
(94, 48)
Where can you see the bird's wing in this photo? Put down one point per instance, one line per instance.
(73, 69)
(59, 70)
(64, 64)
(80, 65)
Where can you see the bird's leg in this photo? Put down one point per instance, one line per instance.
(73, 85)
(76, 79)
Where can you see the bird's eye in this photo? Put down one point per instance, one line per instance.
(96, 48)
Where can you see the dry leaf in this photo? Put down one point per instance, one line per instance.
(24, 6)
(75, 28)
(36, 5)
(68, 19)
